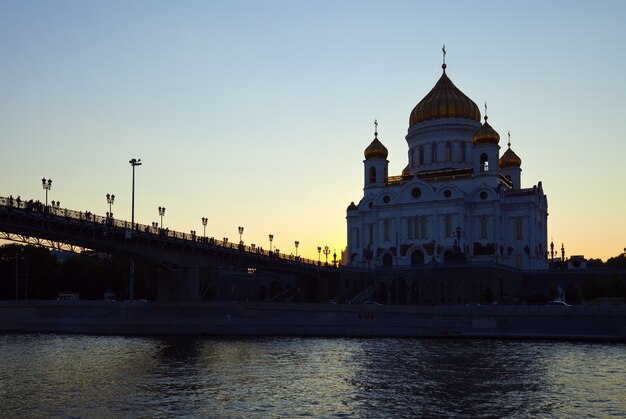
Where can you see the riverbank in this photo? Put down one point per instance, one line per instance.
(294, 319)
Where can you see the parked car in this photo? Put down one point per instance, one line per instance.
(557, 303)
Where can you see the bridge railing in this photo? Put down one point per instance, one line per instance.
(74, 216)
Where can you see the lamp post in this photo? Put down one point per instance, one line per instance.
(326, 253)
(297, 243)
(271, 239)
(16, 271)
(161, 213)
(335, 258)
(134, 163)
(110, 200)
(131, 292)
(47, 184)
(459, 234)
(205, 220)
(240, 234)
(319, 250)
(434, 243)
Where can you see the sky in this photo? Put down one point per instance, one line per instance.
(257, 113)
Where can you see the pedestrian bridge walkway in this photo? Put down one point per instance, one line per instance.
(64, 229)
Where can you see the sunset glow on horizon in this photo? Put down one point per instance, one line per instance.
(256, 114)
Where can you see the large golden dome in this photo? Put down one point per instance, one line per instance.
(486, 135)
(445, 100)
(510, 159)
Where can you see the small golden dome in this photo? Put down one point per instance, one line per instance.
(445, 100)
(376, 150)
(510, 159)
(486, 135)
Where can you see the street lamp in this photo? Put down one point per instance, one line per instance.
(161, 213)
(335, 258)
(240, 235)
(459, 234)
(133, 163)
(434, 244)
(110, 200)
(271, 238)
(205, 220)
(131, 291)
(319, 250)
(47, 184)
(297, 243)
(326, 253)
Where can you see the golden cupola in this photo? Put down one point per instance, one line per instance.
(445, 100)
(510, 159)
(376, 149)
(486, 134)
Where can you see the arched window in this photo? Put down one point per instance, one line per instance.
(421, 156)
(483, 227)
(434, 153)
(448, 225)
(518, 228)
(484, 163)
(372, 175)
(387, 225)
(463, 152)
(448, 151)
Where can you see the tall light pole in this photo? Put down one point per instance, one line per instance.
(134, 163)
(131, 292)
(271, 239)
(297, 243)
(240, 235)
(47, 185)
(110, 200)
(161, 213)
(205, 220)
(319, 250)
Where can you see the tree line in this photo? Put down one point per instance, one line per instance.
(33, 272)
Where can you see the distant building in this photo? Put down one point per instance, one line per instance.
(457, 200)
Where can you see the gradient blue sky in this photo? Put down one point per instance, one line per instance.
(256, 113)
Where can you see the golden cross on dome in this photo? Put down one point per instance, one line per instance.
(485, 110)
(375, 128)
(444, 53)
(509, 134)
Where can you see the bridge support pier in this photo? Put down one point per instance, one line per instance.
(179, 285)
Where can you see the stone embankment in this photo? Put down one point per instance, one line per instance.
(292, 319)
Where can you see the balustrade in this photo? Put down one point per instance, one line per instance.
(73, 216)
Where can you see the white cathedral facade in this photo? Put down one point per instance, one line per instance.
(457, 200)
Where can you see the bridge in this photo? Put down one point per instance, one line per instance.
(183, 256)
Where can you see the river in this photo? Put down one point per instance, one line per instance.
(46, 375)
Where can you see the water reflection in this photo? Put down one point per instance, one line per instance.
(86, 376)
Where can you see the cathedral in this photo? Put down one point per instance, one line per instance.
(458, 201)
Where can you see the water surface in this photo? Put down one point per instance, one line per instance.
(96, 376)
